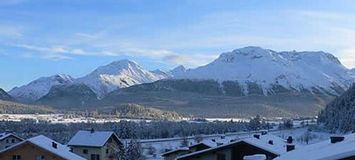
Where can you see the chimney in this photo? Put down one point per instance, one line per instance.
(289, 139)
(336, 139)
(271, 142)
(54, 145)
(290, 147)
(257, 136)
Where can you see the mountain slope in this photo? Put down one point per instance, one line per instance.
(18, 108)
(339, 115)
(312, 71)
(138, 112)
(38, 88)
(118, 74)
(5, 96)
(208, 98)
(67, 96)
(352, 72)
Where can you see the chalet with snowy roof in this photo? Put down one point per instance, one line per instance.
(264, 146)
(337, 147)
(173, 154)
(96, 145)
(38, 148)
(8, 139)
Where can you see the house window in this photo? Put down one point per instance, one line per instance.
(95, 157)
(85, 151)
(40, 158)
(221, 156)
(12, 140)
(7, 140)
(16, 157)
(106, 151)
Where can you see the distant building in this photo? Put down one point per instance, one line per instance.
(337, 147)
(8, 139)
(38, 148)
(173, 154)
(265, 146)
(96, 145)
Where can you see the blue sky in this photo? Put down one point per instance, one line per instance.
(42, 38)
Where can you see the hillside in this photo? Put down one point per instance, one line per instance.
(18, 108)
(67, 96)
(339, 115)
(209, 99)
(5, 96)
(138, 112)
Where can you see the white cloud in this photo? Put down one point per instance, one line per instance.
(166, 56)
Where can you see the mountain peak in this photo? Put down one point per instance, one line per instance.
(118, 74)
(123, 62)
(179, 68)
(117, 66)
(250, 49)
(267, 68)
(39, 87)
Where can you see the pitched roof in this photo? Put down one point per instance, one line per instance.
(46, 144)
(175, 150)
(324, 150)
(5, 135)
(91, 139)
(277, 148)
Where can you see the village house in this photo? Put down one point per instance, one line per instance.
(265, 146)
(8, 139)
(337, 147)
(96, 145)
(38, 148)
(173, 154)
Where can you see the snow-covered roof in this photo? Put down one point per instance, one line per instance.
(255, 157)
(47, 144)
(5, 135)
(323, 150)
(207, 143)
(278, 147)
(91, 139)
(176, 150)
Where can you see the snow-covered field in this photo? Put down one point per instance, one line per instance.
(60, 118)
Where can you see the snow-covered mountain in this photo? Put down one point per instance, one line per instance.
(352, 72)
(40, 87)
(299, 71)
(177, 71)
(118, 74)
